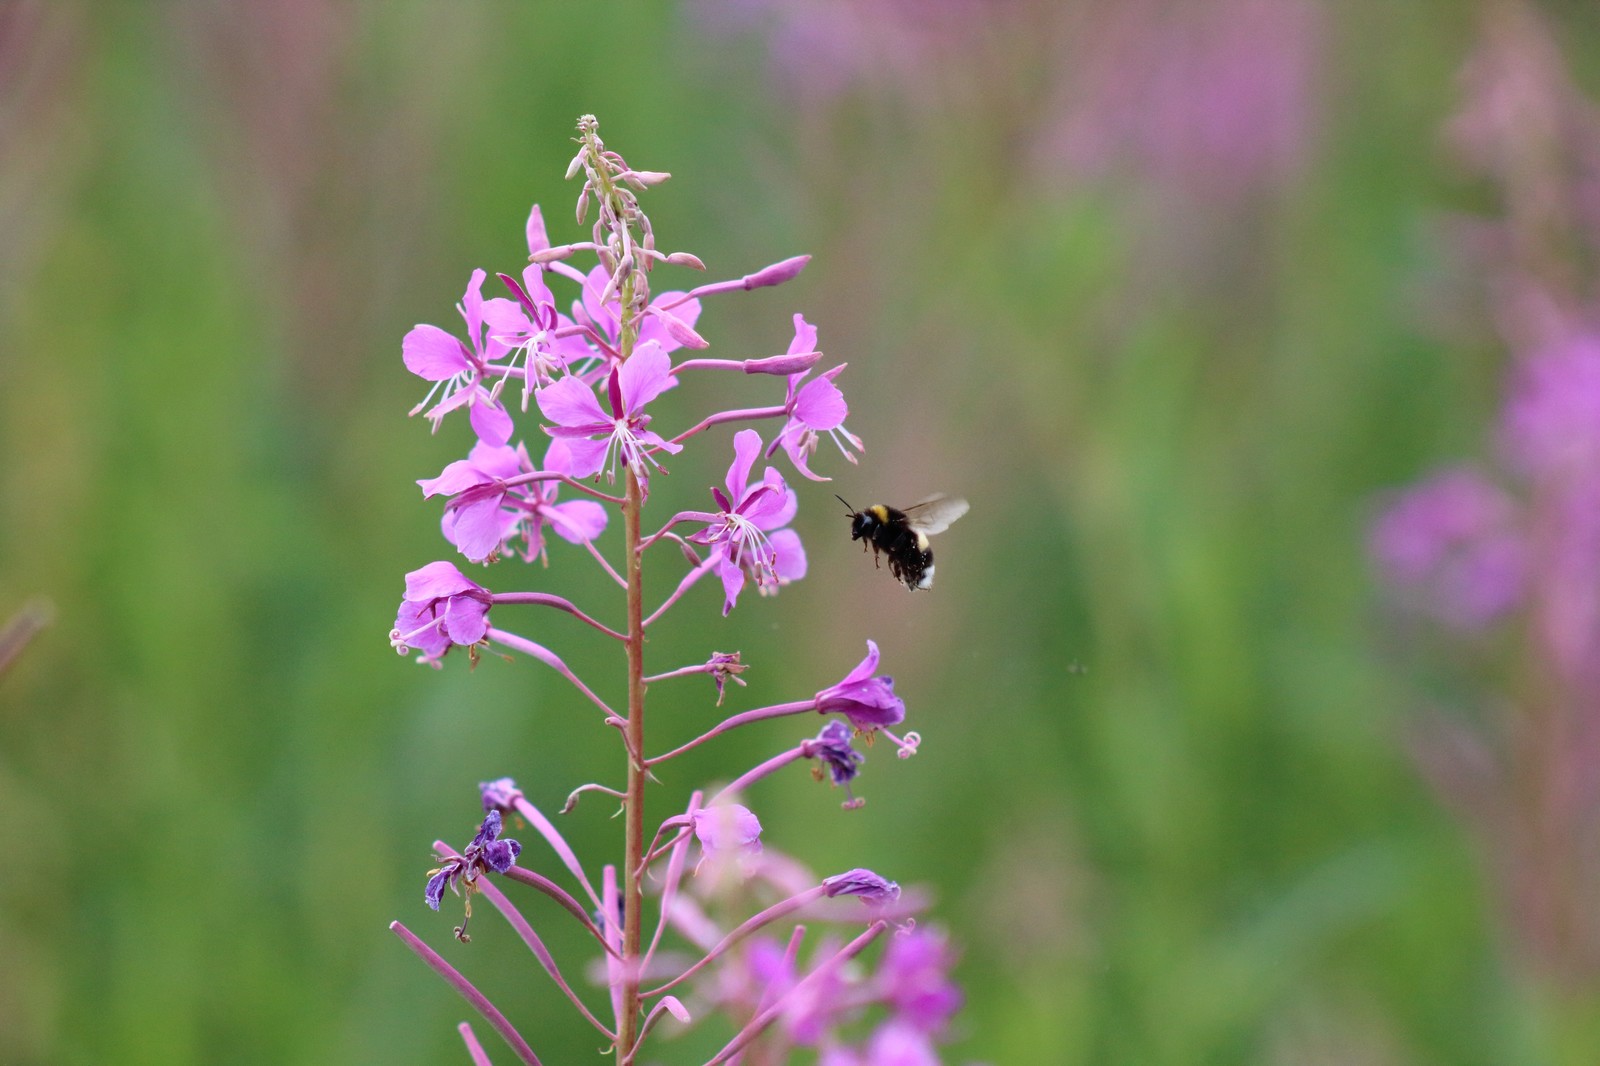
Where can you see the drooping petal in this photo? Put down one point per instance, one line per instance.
(434, 893)
(732, 575)
(432, 354)
(490, 421)
(478, 526)
(569, 402)
(795, 439)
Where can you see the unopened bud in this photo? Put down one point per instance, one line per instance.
(777, 273)
(782, 364)
(686, 259)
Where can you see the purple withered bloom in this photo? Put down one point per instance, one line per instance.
(459, 369)
(814, 408)
(725, 666)
(868, 701)
(442, 608)
(461, 872)
(873, 890)
(595, 439)
(914, 977)
(1453, 544)
(739, 540)
(499, 794)
(485, 514)
(831, 748)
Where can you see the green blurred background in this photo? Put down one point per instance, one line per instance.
(1164, 802)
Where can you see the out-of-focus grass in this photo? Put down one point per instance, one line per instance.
(1163, 795)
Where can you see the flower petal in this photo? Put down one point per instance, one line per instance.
(821, 405)
(432, 354)
(477, 528)
(569, 402)
(732, 576)
(537, 240)
(459, 476)
(789, 555)
(490, 421)
(578, 520)
(646, 374)
(746, 448)
(437, 581)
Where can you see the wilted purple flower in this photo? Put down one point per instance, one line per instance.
(832, 749)
(486, 852)
(738, 536)
(441, 608)
(725, 666)
(499, 794)
(597, 439)
(459, 369)
(872, 889)
(868, 701)
(814, 408)
(1452, 541)
(914, 977)
(485, 513)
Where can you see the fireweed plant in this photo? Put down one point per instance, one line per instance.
(592, 376)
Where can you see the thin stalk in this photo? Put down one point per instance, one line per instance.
(633, 885)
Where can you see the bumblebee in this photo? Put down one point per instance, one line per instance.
(903, 535)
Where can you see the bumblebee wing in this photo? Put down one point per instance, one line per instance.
(934, 514)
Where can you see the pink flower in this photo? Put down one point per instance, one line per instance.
(748, 513)
(595, 438)
(441, 609)
(866, 700)
(815, 408)
(486, 513)
(458, 370)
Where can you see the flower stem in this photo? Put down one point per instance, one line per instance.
(634, 841)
